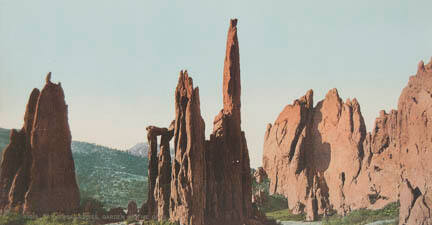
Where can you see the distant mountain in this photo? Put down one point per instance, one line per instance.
(4, 138)
(140, 149)
(112, 176)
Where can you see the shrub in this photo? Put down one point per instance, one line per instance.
(273, 203)
(152, 222)
(285, 215)
(55, 219)
(14, 219)
(365, 216)
(131, 220)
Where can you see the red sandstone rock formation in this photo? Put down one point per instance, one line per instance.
(321, 158)
(53, 186)
(16, 161)
(228, 173)
(37, 170)
(210, 180)
(286, 148)
(315, 155)
(163, 181)
(152, 133)
(187, 201)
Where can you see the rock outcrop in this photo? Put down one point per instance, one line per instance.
(322, 159)
(413, 139)
(37, 170)
(187, 200)
(285, 151)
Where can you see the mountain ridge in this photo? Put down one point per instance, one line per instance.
(109, 175)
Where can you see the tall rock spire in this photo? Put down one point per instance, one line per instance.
(187, 201)
(231, 73)
(37, 173)
(228, 172)
(53, 186)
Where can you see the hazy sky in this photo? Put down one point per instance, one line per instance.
(118, 61)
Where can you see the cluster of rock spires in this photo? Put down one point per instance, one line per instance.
(322, 159)
(37, 171)
(209, 181)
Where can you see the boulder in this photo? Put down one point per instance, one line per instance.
(143, 210)
(132, 209)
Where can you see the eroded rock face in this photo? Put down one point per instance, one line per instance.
(322, 155)
(285, 151)
(187, 201)
(314, 155)
(37, 171)
(414, 141)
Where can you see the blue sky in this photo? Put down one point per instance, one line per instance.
(118, 61)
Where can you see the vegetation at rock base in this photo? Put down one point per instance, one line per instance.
(365, 216)
(152, 222)
(54, 219)
(285, 215)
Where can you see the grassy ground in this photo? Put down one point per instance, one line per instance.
(365, 216)
(285, 215)
(18, 219)
(276, 208)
